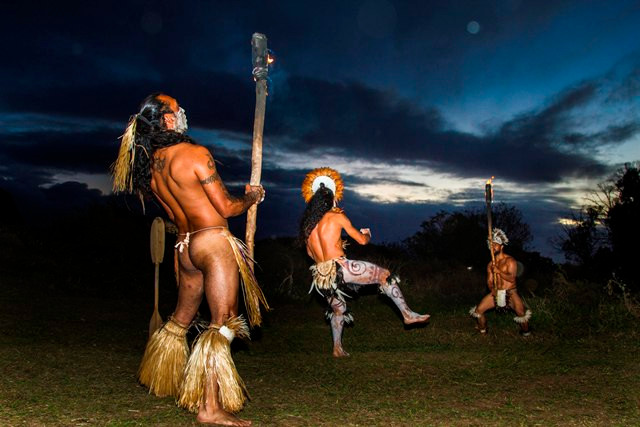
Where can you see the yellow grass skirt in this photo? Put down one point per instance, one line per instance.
(211, 356)
(251, 291)
(164, 360)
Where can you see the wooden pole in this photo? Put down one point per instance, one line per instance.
(259, 55)
(157, 255)
(488, 196)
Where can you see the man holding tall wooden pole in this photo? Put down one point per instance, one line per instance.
(157, 159)
(501, 277)
(260, 59)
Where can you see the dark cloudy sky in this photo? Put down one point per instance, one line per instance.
(416, 103)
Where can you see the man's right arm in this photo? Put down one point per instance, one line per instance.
(226, 204)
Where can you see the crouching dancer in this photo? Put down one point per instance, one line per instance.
(503, 292)
(157, 159)
(333, 274)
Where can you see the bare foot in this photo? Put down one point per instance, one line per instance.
(416, 318)
(339, 352)
(222, 418)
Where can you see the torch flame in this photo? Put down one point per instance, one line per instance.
(270, 59)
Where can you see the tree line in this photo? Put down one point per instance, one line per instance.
(599, 243)
(602, 237)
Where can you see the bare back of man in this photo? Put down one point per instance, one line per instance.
(187, 184)
(325, 241)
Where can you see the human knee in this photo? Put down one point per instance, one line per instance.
(477, 312)
(338, 307)
(388, 280)
(385, 276)
(524, 318)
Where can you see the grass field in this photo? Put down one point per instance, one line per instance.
(71, 361)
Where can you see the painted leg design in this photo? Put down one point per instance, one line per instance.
(337, 318)
(392, 290)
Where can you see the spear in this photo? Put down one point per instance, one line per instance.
(488, 196)
(260, 58)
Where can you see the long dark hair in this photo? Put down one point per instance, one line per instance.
(151, 134)
(320, 204)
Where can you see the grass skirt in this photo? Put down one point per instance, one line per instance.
(251, 291)
(211, 358)
(164, 359)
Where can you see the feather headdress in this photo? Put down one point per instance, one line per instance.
(327, 176)
(499, 237)
(122, 168)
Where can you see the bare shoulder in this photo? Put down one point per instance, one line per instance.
(188, 154)
(508, 259)
(180, 150)
(195, 150)
(337, 216)
(329, 219)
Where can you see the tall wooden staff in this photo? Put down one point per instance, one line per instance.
(488, 196)
(260, 59)
(157, 255)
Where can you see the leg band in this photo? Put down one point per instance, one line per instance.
(348, 316)
(523, 319)
(473, 312)
(164, 359)
(211, 356)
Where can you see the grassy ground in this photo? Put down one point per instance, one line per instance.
(71, 361)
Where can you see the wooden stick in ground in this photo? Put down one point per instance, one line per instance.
(157, 255)
(260, 69)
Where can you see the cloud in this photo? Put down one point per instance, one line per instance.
(311, 118)
(216, 100)
(625, 80)
(611, 135)
(359, 122)
(83, 151)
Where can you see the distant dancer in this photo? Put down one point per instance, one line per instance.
(502, 293)
(158, 160)
(333, 274)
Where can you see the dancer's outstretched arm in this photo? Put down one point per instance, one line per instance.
(358, 236)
